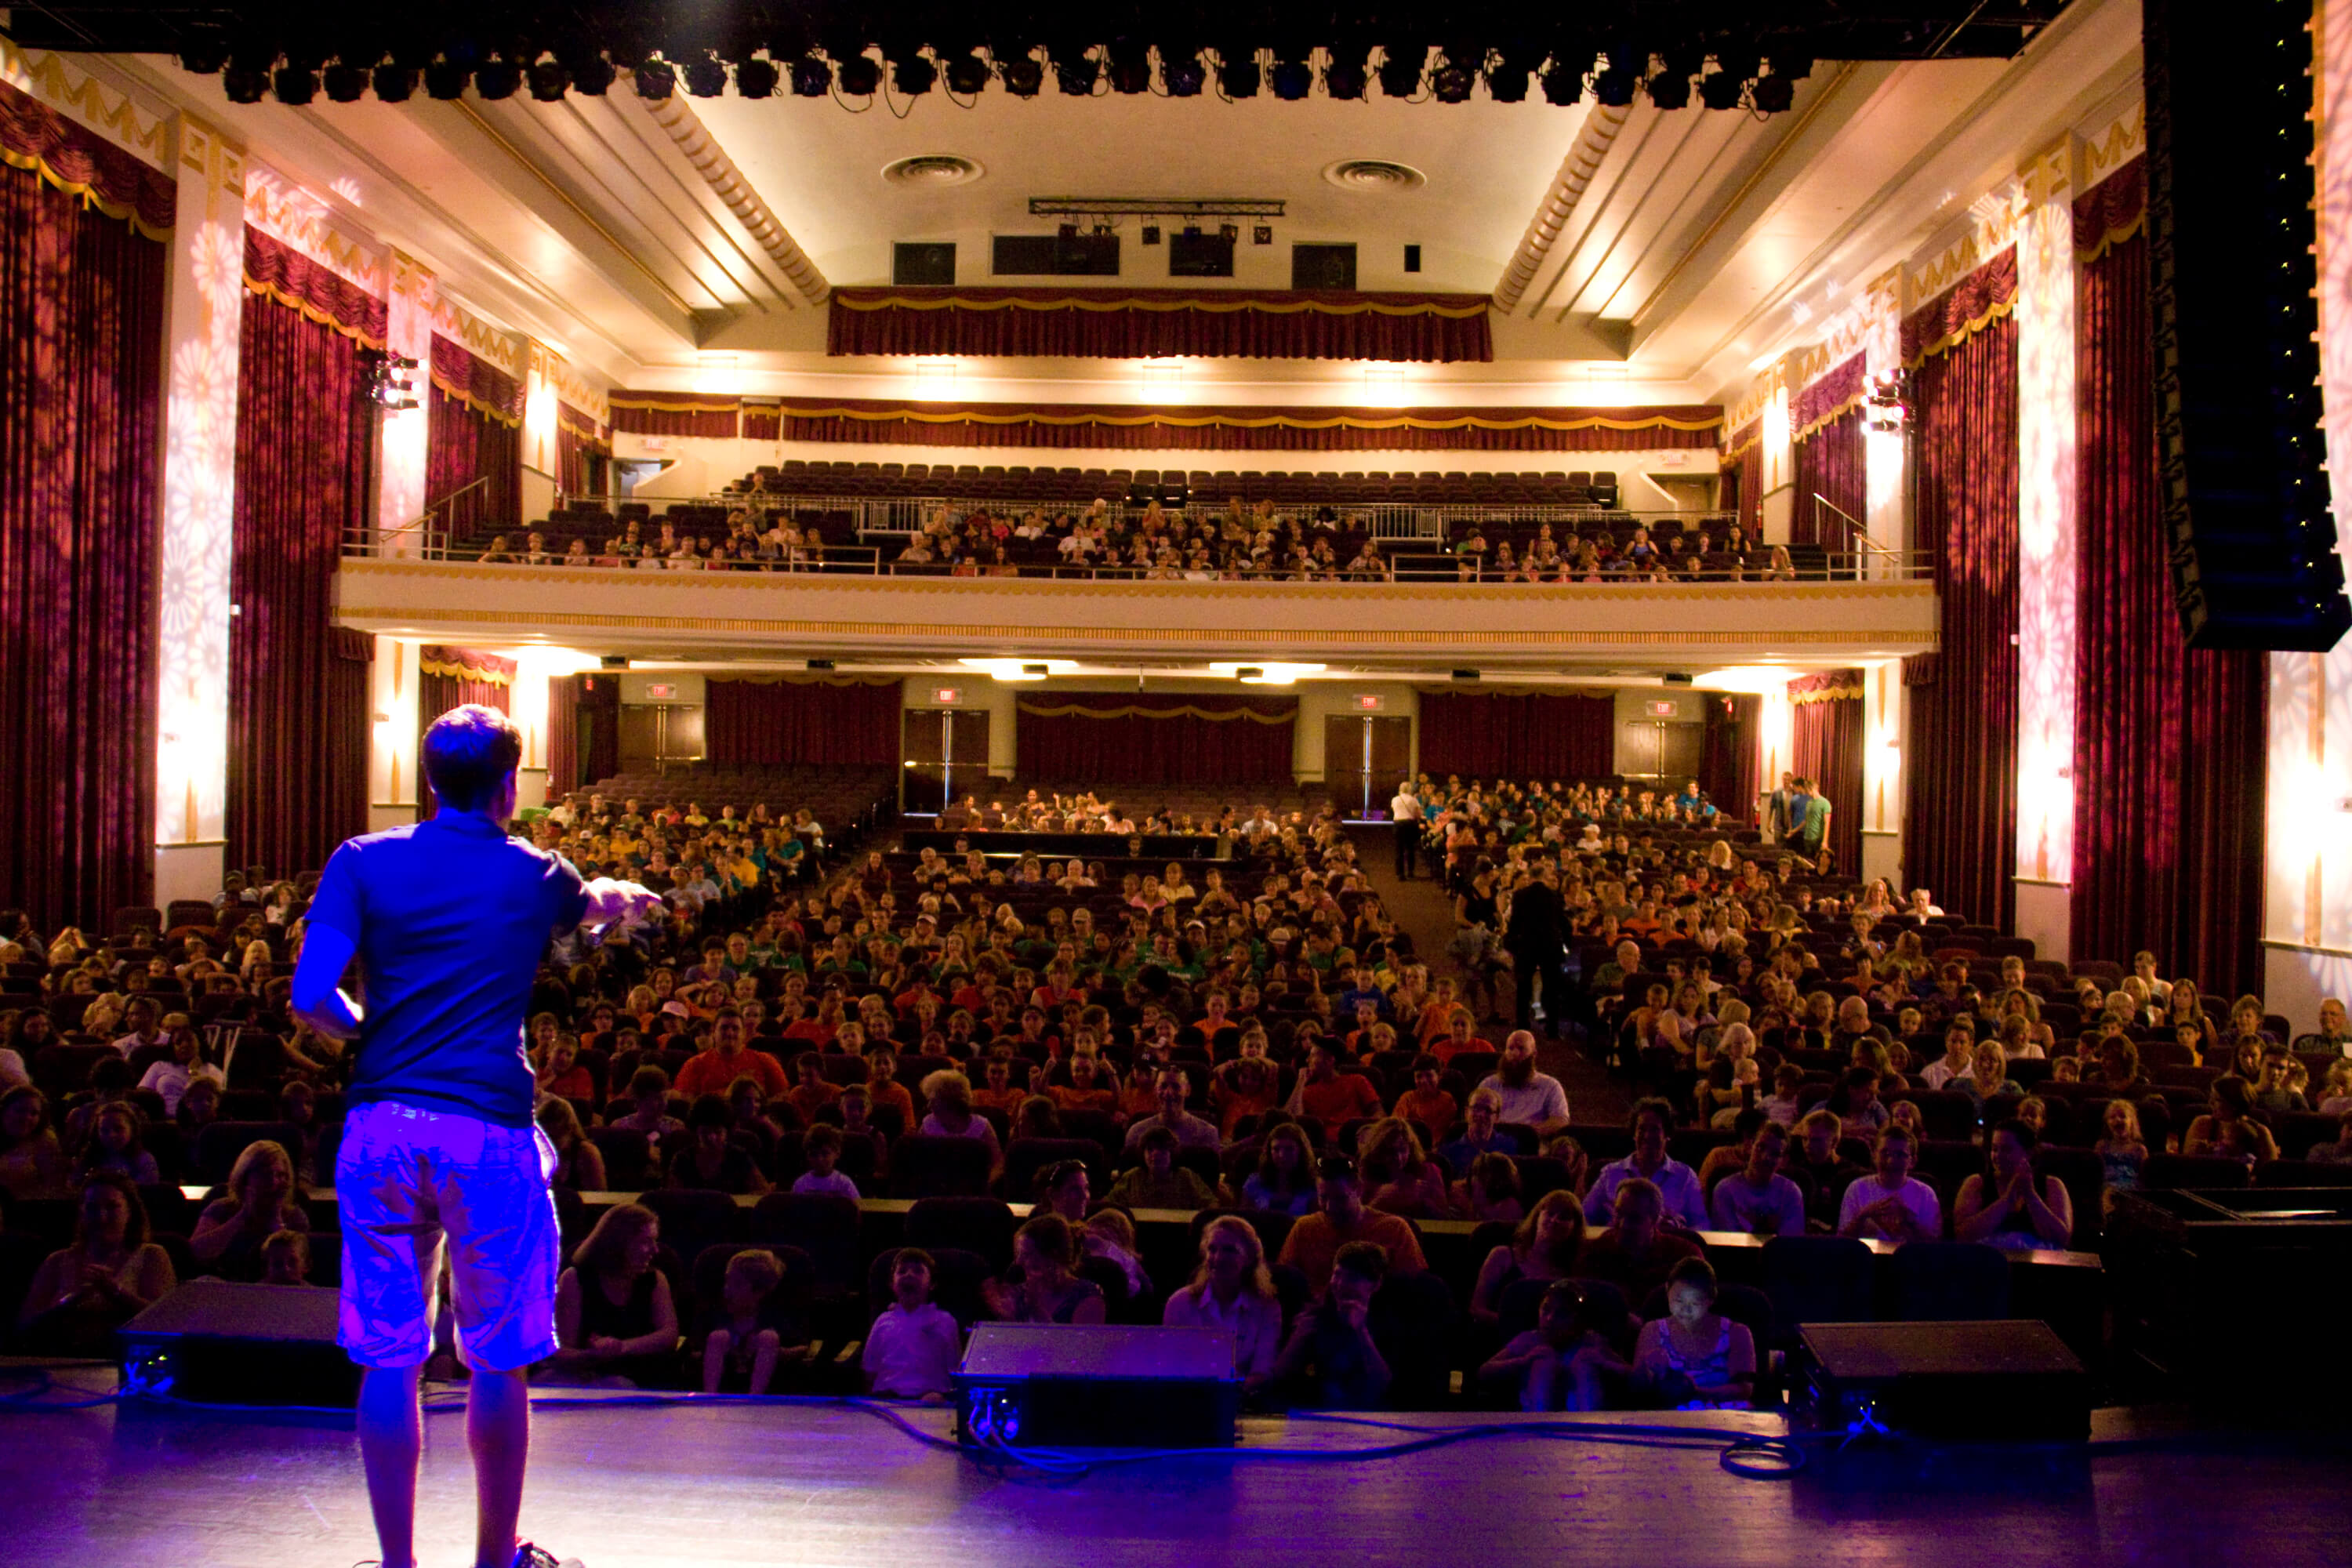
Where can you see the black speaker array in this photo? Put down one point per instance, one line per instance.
(2234, 284)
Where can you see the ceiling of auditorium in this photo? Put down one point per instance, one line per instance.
(1703, 243)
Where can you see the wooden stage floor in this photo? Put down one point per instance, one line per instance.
(649, 1488)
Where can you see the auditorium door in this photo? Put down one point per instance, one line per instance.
(1651, 749)
(1365, 757)
(945, 756)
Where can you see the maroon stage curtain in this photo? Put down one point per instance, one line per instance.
(1126, 427)
(1825, 741)
(583, 732)
(563, 736)
(1742, 462)
(297, 726)
(1729, 765)
(450, 678)
(1143, 323)
(1517, 735)
(842, 723)
(2170, 758)
(81, 367)
(714, 415)
(1829, 464)
(577, 439)
(473, 431)
(1960, 766)
(762, 422)
(1126, 737)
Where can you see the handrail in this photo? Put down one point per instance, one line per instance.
(470, 485)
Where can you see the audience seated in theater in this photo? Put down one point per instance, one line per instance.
(615, 1317)
(1637, 1253)
(1336, 1348)
(1284, 1179)
(1048, 1290)
(1341, 1218)
(1757, 1199)
(1160, 1183)
(2010, 1205)
(1233, 1290)
(1694, 1358)
(82, 1293)
(914, 1346)
(262, 1198)
(1651, 1121)
(1548, 1245)
(749, 1333)
(1528, 1097)
(1890, 1203)
(1480, 1132)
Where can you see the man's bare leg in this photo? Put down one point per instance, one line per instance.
(391, 1442)
(498, 1430)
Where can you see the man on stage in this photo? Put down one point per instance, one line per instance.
(448, 920)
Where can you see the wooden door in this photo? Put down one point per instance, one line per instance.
(966, 747)
(1392, 756)
(1683, 750)
(640, 738)
(1639, 748)
(923, 752)
(1343, 762)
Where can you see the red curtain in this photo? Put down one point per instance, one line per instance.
(762, 422)
(1826, 745)
(563, 735)
(1728, 766)
(1960, 767)
(842, 723)
(450, 678)
(299, 283)
(2170, 759)
(1067, 323)
(298, 702)
(473, 431)
(1743, 477)
(713, 415)
(578, 439)
(1517, 735)
(1123, 426)
(583, 732)
(1123, 738)
(81, 363)
(1831, 465)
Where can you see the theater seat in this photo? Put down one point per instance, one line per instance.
(985, 1225)
(1949, 1281)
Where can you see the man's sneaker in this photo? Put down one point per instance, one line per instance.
(529, 1556)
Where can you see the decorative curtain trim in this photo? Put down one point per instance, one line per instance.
(1740, 440)
(712, 416)
(349, 645)
(764, 423)
(279, 272)
(1961, 312)
(81, 162)
(1246, 429)
(1141, 323)
(588, 429)
(1498, 689)
(808, 680)
(2110, 212)
(1837, 685)
(465, 664)
(477, 383)
(676, 402)
(1842, 387)
(1140, 711)
(1922, 670)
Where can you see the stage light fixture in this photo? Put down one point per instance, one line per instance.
(496, 80)
(656, 80)
(548, 80)
(860, 74)
(1022, 75)
(756, 77)
(1130, 67)
(1400, 70)
(1670, 90)
(1562, 85)
(1237, 72)
(394, 84)
(1262, 234)
(1721, 90)
(592, 73)
(345, 83)
(1182, 75)
(447, 79)
(1792, 58)
(967, 74)
(1229, 232)
(1455, 75)
(914, 75)
(295, 85)
(812, 76)
(1614, 85)
(1291, 80)
(1344, 76)
(1507, 82)
(246, 84)
(1068, 231)
(704, 78)
(1075, 69)
(1773, 95)
(205, 52)
(1151, 234)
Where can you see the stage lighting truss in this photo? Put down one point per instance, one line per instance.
(1182, 74)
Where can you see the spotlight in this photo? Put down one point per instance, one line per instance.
(1613, 87)
(1562, 85)
(1130, 67)
(1451, 82)
(1262, 234)
(1773, 95)
(1721, 90)
(705, 78)
(1067, 231)
(246, 84)
(1670, 90)
(967, 74)
(1400, 70)
(860, 74)
(205, 53)
(447, 79)
(295, 85)
(656, 80)
(1793, 60)
(756, 79)
(812, 76)
(549, 78)
(1076, 71)
(1507, 84)
(1229, 232)
(1237, 72)
(1022, 75)
(914, 75)
(1151, 234)
(1291, 80)
(496, 79)
(394, 84)
(345, 84)
(592, 74)
(1181, 72)
(1344, 78)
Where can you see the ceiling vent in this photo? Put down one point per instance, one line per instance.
(1374, 176)
(932, 172)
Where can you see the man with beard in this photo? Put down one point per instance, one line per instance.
(1528, 1097)
(1537, 924)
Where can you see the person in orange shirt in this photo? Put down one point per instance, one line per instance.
(1249, 1085)
(725, 1059)
(1341, 1218)
(1138, 1099)
(817, 1031)
(888, 1092)
(998, 1090)
(1461, 1035)
(813, 1093)
(1327, 1095)
(1085, 1091)
(1430, 1025)
(1426, 1103)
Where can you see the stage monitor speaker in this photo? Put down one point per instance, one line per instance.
(218, 1343)
(2232, 286)
(2005, 1379)
(1047, 1385)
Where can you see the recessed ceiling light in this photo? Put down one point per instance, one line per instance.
(934, 170)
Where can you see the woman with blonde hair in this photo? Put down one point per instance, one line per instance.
(1232, 1290)
(261, 1199)
(613, 1312)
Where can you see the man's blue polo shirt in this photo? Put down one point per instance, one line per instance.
(450, 918)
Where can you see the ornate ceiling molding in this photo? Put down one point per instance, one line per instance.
(1594, 140)
(710, 160)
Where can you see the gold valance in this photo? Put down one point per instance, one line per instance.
(1139, 711)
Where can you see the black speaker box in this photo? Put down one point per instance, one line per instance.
(2010, 1380)
(2232, 286)
(1047, 1385)
(218, 1343)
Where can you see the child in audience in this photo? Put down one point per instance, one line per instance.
(1694, 1358)
(1491, 1192)
(115, 1144)
(2336, 1088)
(1284, 1181)
(1556, 1364)
(821, 1147)
(1428, 1104)
(649, 1114)
(856, 1107)
(749, 1333)
(813, 1093)
(1335, 1338)
(2123, 1151)
(285, 1259)
(1781, 1105)
(913, 1346)
(1160, 1183)
(2338, 1153)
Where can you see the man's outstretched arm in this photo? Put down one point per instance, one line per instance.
(318, 997)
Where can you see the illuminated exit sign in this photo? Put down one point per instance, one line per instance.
(947, 696)
(660, 691)
(1369, 703)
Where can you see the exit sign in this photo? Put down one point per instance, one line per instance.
(947, 696)
(1369, 703)
(1662, 710)
(660, 691)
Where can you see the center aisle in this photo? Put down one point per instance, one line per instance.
(1421, 908)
